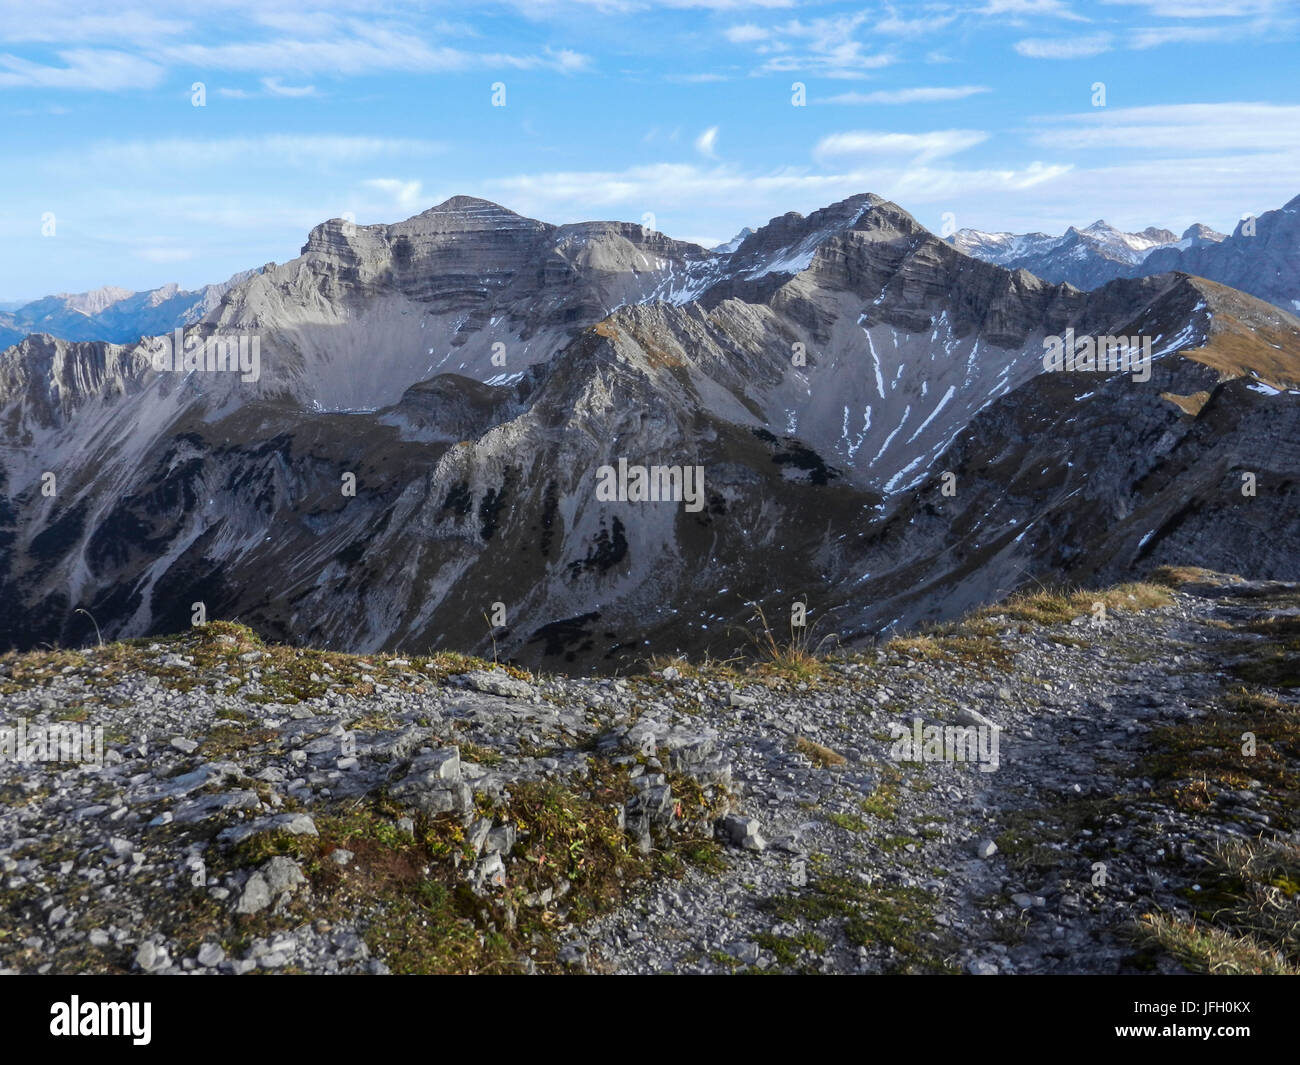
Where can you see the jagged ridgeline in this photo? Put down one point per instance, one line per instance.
(1261, 256)
(396, 441)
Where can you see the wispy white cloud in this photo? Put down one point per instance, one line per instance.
(322, 43)
(921, 147)
(1177, 128)
(746, 33)
(826, 46)
(696, 79)
(656, 134)
(366, 49)
(574, 195)
(1065, 47)
(1145, 37)
(270, 87)
(919, 94)
(706, 143)
(85, 69)
(1133, 191)
(918, 26)
(277, 88)
(1205, 8)
(1054, 8)
(537, 8)
(405, 195)
(45, 25)
(1140, 38)
(156, 156)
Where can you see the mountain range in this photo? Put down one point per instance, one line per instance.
(1261, 255)
(110, 313)
(414, 462)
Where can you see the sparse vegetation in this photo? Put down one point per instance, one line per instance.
(706, 668)
(968, 643)
(883, 802)
(1177, 576)
(416, 907)
(896, 920)
(285, 674)
(1200, 759)
(1276, 663)
(1054, 606)
(798, 657)
(1188, 770)
(1247, 914)
(818, 754)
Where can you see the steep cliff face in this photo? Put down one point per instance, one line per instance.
(1084, 479)
(467, 287)
(382, 482)
(1262, 257)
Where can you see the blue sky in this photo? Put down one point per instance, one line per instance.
(972, 112)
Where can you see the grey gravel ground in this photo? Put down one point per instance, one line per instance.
(836, 856)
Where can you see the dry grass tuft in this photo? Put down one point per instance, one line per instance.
(1177, 576)
(1248, 917)
(817, 754)
(797, 658)
(1049, 606)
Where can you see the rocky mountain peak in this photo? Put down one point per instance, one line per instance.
(1159, 235)
(1198, 233)
(94, 301)
(464, 204)
(466, 214)
(727, 247)
(788, 243)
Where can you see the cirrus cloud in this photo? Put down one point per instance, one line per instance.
(919, 94)
(920, 147)
(85, 68)
(1065, 47)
